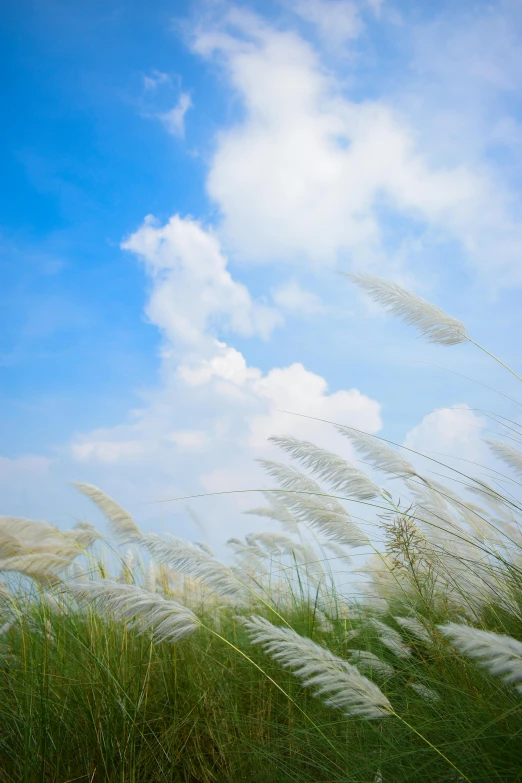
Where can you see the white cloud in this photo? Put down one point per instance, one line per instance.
(109, 450)
(450, 432)
(174, 119)
(296, 390)
(292, 297)
(27, 466)
(194, 294)
(156, 78)
(306, 172)
(338, 21)
(375, 6)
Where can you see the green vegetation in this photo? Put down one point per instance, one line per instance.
(361, 640)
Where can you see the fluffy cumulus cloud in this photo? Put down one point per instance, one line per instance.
(306, 173)
(201, 428)
(193, 290)
(451, 433)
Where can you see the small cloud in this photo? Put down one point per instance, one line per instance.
(27, 466)
(290, 296)
(375, 6)
(451, 432)
(189, 439)
(174, 120)
(155, 79)
(337, 21)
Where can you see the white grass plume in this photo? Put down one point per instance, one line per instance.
(476, 517)
(378, 453)
(390, 638)
(326, 515)
(251, 554)
(500, 654)
(21, 536)
(342, 476)
(428, 694)
(279, 512)
(340, 682)
(508, 454)
(277, 544)
(339, 553)
(322, 622)
(433, 513)
(190, 559)
(83, 534)
(290, 478)
(128, 565)
(25, 530)
(311, 505)
(367, 661)
(122, 524)
(168, 620)
(43, 567)
(416, 628)
(434, 324)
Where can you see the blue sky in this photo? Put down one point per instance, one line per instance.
(274, 144)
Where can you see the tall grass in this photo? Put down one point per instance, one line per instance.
(368, 639)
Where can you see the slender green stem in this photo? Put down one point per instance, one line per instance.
(495, 358)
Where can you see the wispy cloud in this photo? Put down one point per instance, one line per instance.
(292, 297)
(154, 79)
(174, 119)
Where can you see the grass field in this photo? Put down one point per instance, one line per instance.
(356, 638)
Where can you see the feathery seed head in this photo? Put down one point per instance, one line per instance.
(334, 678)
(122, 524)
(498, 653)
(390, 638)
(168, 620)
(378, 453)
(428, 694)
(508, 454)
(436, 325)
(367, 661)
(340, 474)
(193, 560)
(415, 627)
